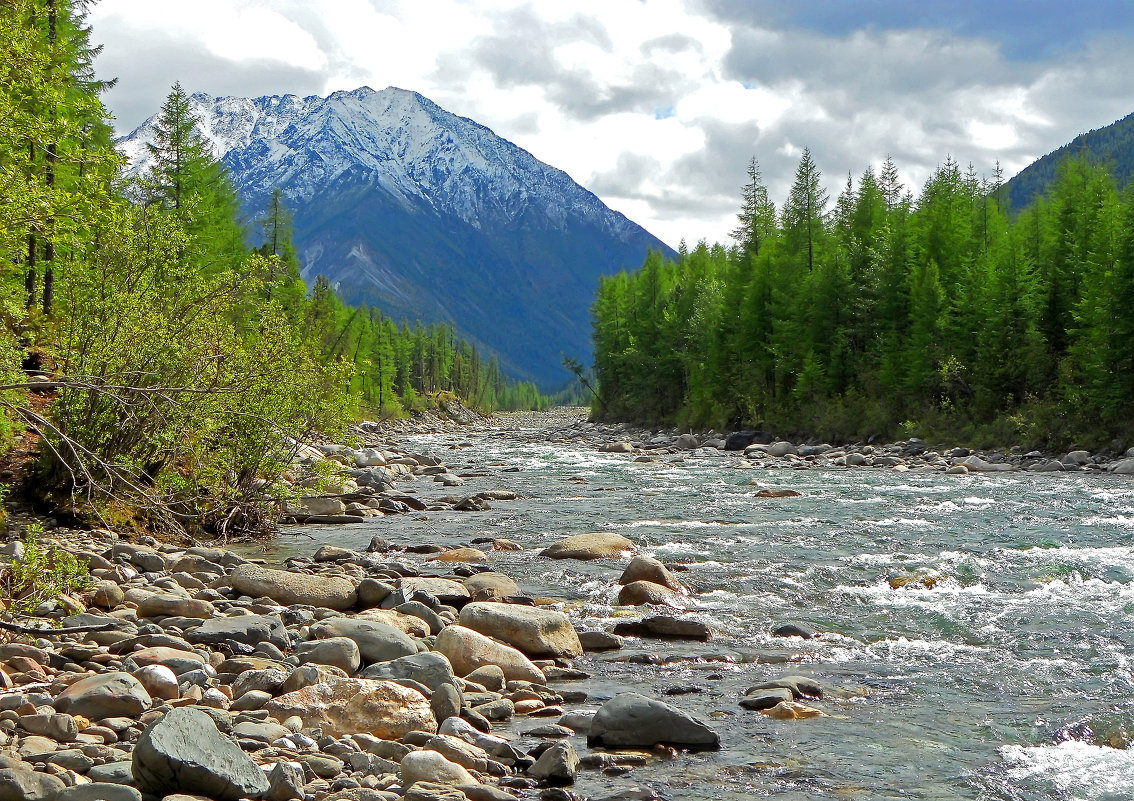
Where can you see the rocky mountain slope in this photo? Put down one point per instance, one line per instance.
(426, 215)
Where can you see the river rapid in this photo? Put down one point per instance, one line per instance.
(1000, 669)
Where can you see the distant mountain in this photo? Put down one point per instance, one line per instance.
(426, 216)
(1112, 145)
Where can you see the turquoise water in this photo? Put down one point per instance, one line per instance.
(1001, 669)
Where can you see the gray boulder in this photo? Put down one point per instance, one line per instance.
(106, 695)
(1123, 468)
(429, 668)
(559, 764)
(377, 642)
(534, 631)
(184, 752)
(247, 629)
(98, 791)
(27, 785)
(341, 652)
(290, 588)
(630, 720)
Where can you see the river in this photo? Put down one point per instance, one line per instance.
(1001, 670)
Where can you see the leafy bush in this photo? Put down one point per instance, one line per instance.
(41, 574)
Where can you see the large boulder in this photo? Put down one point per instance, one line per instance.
(540, 633)
(287, 588)
(410, 624)
(1123, 468)
(559, 764)
(429, 668)
(163, 604)
(105, 695)
(630, 720)
(975, 464)
(342, 652)
(468, 650)
(28, 785)
(377, 642)
(444, 590)
(340, 707)
(646, 568)
(183, 752)
(597, 545)
(246, 629)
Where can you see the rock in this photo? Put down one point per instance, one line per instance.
(107, 594)
(175, 659)
(1123, 468)
(793, 630)
(765, 699)
(184, 752)
(799, 686)
(977, 465)
(285, 782)
(687, 442)
(341, 652)
(666, 627)
(430, 766)
(617, 447)
(739, 440)
(160, 682)
(377, 641)
(632, 720)
(26, 785)
(456, 749)
(472, 504)
(420, 610)
(460, 555)
(318, 506)
(777, 493)
(780, 449)
(165, 605)
(598, 545)
(444, 590)
(646, 592)
(792, 710)
(646, 568)
(347, 706)
(1078, 458)
(854, 460)
(491, 677)
(559, 764)
(536, 632)
(106, 695)
(429, 668)
(599, 641)
(289, 588)
(433, 791)
(446, 701)
(491, 586)
(307, 675)
(372, 592)
(468, 650)
(409, 624)
(98, 791)
(247, 629)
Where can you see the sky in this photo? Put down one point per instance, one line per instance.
(657, 106)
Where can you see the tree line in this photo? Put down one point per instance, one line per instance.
(182, 363)
(881, 313)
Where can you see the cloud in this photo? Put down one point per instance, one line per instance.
(658, 106)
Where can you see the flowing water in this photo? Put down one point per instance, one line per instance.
(1001, 670)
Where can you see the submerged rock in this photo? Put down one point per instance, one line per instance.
(597, 545)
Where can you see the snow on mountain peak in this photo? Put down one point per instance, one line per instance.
(407, 144)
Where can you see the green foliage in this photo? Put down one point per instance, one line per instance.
(41, 574)
(888, 315)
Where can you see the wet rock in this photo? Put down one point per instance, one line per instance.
(793, 630)
(793, 710)
(646, 592)
(765, 699)
(534, 631)
(468, 650)
(646, 568)
(106, 695)
(632, 720)
(377, 641)
(598, 545)
(472, 504)
(346, 706)
(288, 588)
(460, 555)
(599, 641)
(184, 752)
(664, 626)
(800, 686)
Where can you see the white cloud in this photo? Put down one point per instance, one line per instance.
(655, 104)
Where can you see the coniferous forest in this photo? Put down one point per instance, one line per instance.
(944, 315)
(183, 352)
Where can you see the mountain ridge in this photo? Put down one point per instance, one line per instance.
(426, 215)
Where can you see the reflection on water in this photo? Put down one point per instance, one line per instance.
(1009, 622)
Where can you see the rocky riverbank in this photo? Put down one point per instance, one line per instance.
(199, 674)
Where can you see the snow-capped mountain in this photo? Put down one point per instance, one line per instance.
(425, 215)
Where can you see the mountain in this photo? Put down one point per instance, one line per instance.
(426, 215)
(1112, 145)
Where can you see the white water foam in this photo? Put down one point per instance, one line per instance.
(1086, 771)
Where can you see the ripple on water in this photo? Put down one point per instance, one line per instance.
(1080, 769)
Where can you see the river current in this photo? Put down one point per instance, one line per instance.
(1001, 667)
